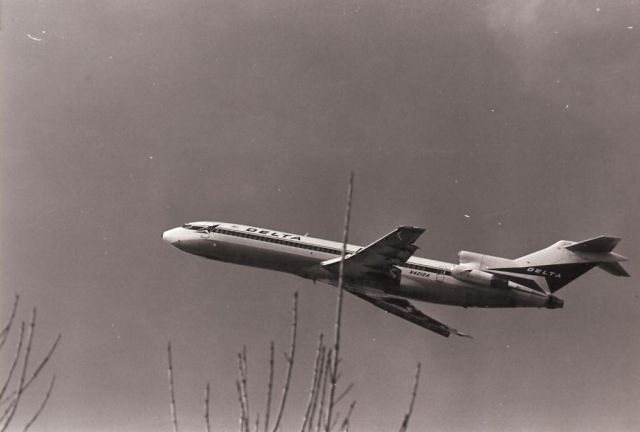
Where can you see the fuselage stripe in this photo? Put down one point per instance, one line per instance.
(323, 249)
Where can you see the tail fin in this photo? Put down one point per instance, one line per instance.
(552, 268)
(601, 247)
(602, 244)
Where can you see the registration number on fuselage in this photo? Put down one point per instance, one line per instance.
(419, 273)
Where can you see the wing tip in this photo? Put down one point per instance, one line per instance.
(412, 228)
(461, 334)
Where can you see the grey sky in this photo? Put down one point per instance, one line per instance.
(129, 118)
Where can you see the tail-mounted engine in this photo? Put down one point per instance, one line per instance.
(472, 266)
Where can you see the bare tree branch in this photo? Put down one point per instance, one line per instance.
(407, 417)
(269, 386)
(242, 371)
(335, 420)
(325, 381)
(23, 372)
(316, 391)
(207, 424)
(37, 371)
(42, 405)
(343, 394)
(243, 416)
(13, 399)
(13, 364)
(290, 358)
(314, 379)
(338, 323)
(7, 328)
(43, 362)
(7, 411)
(174, 414)
(345, 423)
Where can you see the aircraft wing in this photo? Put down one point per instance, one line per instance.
(380, 256)
(405, 309)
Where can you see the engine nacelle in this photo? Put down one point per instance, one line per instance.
(467, 273)
(482, 261)
(466, 257)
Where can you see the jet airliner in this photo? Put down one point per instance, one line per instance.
(386, 274)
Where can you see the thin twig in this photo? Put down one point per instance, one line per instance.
(7, 411)
(325, 381)
(37, 371)
(335, 420)
(314, 379)
(242, 370)
(345, 422)
(43, 362)
(316, 391)
(42, 405)
(343, 394)
(7, 328)
(23, 373)
(8, 380)
(243, 409)
(407, 417)
(338, 323)
(14, 363)
(244, 385)
(243, 417)
(174, 414)
(207, 423)
(290, 358)
(269, 386)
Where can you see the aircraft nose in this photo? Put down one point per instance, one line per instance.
(171, 236)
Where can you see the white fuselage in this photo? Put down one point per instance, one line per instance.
(421, 279)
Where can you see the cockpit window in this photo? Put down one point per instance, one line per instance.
(193, 227)
(199, 227)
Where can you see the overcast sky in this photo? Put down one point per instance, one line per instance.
(121, 119)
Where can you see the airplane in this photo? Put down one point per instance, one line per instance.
(386, 274)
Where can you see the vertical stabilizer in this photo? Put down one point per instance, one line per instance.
(552, 268)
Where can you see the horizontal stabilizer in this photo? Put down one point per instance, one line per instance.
(614, 268)
(595, 245)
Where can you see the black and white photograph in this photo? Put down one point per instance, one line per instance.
(319, 216)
